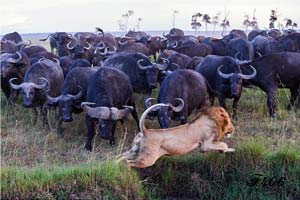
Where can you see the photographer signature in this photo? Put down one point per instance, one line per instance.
(266, 180)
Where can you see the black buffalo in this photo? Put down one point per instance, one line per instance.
(73, 93)
(224, 78)
(109, 98)
(142, 73)
(185, 91)
(40, 77)
(278, 70)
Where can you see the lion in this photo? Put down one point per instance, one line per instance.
(204, 131)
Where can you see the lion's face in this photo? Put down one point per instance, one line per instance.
(223, 123)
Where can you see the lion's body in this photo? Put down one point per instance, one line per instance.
(205, 131)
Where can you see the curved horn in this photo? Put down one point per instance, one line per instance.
(175, 45)
(24, 43)
(143, 67)
(104, 53)
(101, 45)
(113, 51)
(42, 86)
(117, 114)
(259, 54)
(163, 66)
(88, 47)
(250, 76)
(101, 112)
(46, 37)
(122, 43)
(12, 60)
(41, 59)
(52, 100)
(68, 46)
(179, 107)
(145, 113)
(57, 61)
(148, 102)
(222, 74)
(14, 86)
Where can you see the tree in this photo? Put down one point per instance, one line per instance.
(206, 20)
(215, 20)
(173, 17)
(138, 24)
(126, 17)
(225, 23)
(289, 23)
(273, 18)
(295, 25)
(121, 25)
(246, 22)
(195, 23)
(254, 23)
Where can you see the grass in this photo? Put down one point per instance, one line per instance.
(37, 165)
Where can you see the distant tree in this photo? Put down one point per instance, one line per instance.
(246, 22)
(138, 24)
(225, 23)
(195, 23)
(126, 17)
(215, 20)
(173, 17)
(254, 23)
(289, 23)
(273, 18)
(295, 25)
(206, 20)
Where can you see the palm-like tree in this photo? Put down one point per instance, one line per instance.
(254, 23)
(215, 20)
(225, 23)
(206, 20)
(273, 18)
(126, 17)
(138, 24)
(195, 23)
(295, 25)
(246, 22)
(289, 23)
(173, 17)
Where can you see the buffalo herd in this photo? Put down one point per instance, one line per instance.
(97, 73)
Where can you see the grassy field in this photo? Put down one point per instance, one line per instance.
(37, 165)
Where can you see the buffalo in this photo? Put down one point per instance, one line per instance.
(224, 79)
(109, 99)
(43, 76)
(185, 91)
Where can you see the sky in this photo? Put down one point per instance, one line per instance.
(38, 16)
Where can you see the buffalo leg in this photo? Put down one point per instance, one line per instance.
(35, 115)
(212, 99)
(112, 137)
(44, 112)
(271, 103)
(234, 107)
(90, 123)
(294, 94)
(222, 102)
(134, 113)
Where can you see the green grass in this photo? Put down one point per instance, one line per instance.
(35, 164)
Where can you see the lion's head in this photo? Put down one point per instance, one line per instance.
(224, 127)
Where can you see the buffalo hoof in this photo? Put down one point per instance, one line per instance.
(88, 147)
(112, 142)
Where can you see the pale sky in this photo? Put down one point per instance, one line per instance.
(35, 16)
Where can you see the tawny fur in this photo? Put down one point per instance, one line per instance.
(205, 130)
